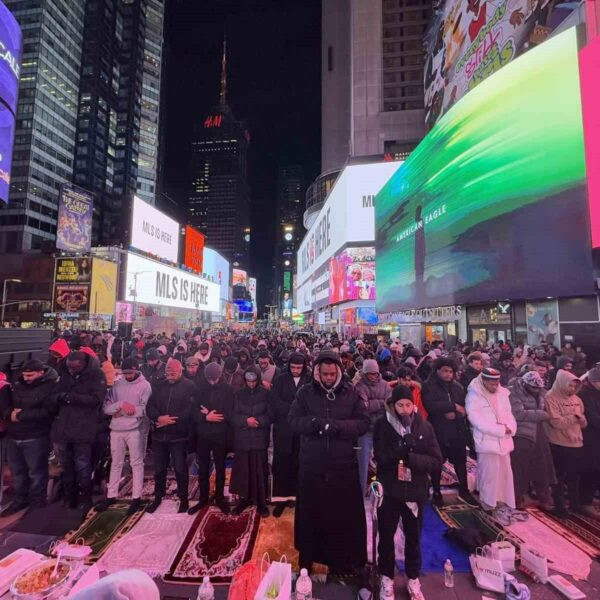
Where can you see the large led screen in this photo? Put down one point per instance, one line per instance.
(492, 204)
(75, 214)
(153, 232)
(352, 275)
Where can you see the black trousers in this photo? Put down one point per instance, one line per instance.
(389, 514)
(588, 484)
(176, 452)
(218, 448)
(457, 455)
(567, 464)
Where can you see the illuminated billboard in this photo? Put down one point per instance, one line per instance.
(75, 214)
(153, 232)
(104, 287)
(194, 249)
(352, 275)
(240, 278)
(151, 282)
(217, 266)
(469, 40)
(492, 204)
(10, 70)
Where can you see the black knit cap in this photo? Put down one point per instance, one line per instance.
(33, 365)
(400, 392)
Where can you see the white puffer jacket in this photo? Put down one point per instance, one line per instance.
(489, 423)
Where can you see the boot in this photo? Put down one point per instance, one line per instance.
(135, 505)
(184, 505)
(154, 505)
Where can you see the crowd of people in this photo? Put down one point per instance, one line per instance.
(335, 412)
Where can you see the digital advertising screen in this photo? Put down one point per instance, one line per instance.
(7, 134)
(469, 40)
(75, 214)
(217, 266)
(73, 270)
(352, 275)
(103, 293)
(492, 204)
(240, 278)
(153, 232)
(151, 282)
(194, 249)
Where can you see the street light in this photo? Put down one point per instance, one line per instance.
(4, 297)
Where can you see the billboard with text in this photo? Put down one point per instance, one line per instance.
(75, 214)
(153, 232)
(194, 249)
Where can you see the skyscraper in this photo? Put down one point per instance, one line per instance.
(291, 189)
(219, 201)
(88, 109)
(46, 119)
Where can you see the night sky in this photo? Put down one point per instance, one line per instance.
(274, 82)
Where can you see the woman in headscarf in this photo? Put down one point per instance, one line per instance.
(567, 420)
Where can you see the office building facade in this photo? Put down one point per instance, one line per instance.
(219, 200)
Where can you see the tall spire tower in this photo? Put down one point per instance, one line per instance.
(223, 94)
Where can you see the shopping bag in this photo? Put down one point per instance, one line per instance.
(277, 582)
(247, 578)
(487, 571)
(535, 562)
(504, 552)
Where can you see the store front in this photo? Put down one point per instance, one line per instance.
(490, 323)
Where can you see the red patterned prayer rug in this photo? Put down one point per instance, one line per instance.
(217, 545)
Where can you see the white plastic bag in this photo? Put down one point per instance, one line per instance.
(277, 579)
(535, 562)
(487, 571)
(504, 552)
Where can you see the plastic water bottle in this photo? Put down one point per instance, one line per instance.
(304, 586)
(206, 591)
(448, 574)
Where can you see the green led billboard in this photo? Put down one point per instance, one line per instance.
(492, 204)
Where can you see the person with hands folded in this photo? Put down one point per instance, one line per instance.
(407, 453)
(126, 404)
(211, 413)
(251, 420)
(490, 414)
(170, 410)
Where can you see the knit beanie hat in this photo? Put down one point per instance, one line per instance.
(370, 366)
(401, 392)
(213, 371)
(130, 364)
(231, 364)
(33, 365)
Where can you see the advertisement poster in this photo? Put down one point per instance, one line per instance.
(73, 270)
(153, 232)
(194, 249)
(104, 287)
(7, 133)
(252, 292)
(366, 316)
(542, 322)
(71, 298)
(217, 266)
(352, 275)
(124, 312)
(240, 278)
(75, 212)
(454, 222)
(469, 40)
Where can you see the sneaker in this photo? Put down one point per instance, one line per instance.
(264, 512)
(279, 508)
(135, 505)
(413, 587)
(438, 500)
(197, 507)
(502, 516)
(153, 505)
(468, 499)
(386, 588)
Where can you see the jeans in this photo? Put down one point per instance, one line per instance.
(457, 455)
(120, 441)
(76, 462)
(218, 448)
(390, 512)
(365, 443)
(28, 460)
(176, 451)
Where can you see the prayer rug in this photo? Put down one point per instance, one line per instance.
(126, 487)
(462, 516)
(100, 529)
(151, 545)
(449, 478)
(217, 545)
(276, 538)
(555, 542)
(580, 530)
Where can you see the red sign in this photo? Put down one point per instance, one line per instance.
(213, 121)
(194, 249)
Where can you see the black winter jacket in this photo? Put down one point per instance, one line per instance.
(332, 451)
(78, 400)
(425, 458)
(175, 399)
(590, 397)
(439, 399)
(154, 374)
(33, 399)
(252, 403)
(283, 395)
(213, 397)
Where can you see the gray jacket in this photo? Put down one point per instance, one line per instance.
(373, 396)
(135, 392)
(527, 410)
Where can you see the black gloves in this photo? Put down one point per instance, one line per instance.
(410, 441)
(327, 427)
